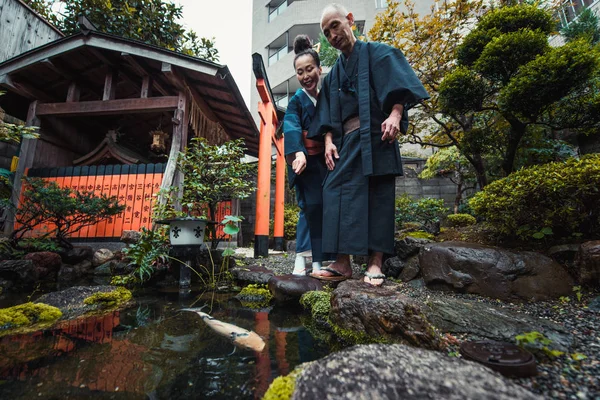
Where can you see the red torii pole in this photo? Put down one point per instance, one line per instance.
(268, 126)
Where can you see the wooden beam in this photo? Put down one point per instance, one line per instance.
(110, 84)
(221, 101)
(23, 89)
(108, 107)
(146, 90)
(73, 93)
(73, 76)
(142, 71)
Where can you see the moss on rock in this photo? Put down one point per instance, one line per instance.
(28, 314)
(318, 302)
(255, 296)
(109, 299)
(282, 388)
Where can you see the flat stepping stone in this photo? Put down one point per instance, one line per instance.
(291, 287)
(252, 274)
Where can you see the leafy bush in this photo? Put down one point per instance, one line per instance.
(458, 220)
(426, 211)
(151, 251)
(559, 198)
(62, 210)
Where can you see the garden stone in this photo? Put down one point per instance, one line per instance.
(104, 269)
(120, 267)
(130, 237)
(392, 267)
(78, 254)
(417, 283)
(291, 246)
(45, 262)
(588, 263)
(70, 301)
(493, 272)
(84, 267)
(5, 284)
(411, 270)
(595, 305)
(484, 320)
(564, 253)
(252, 274)
(102, 256)
(290, 287)
(381, 312)
(409, 246)
(19, 271)
(68, 273)
(379, 371)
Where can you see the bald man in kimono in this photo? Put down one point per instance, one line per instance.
(361, 109)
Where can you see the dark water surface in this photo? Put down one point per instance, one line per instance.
(154, 351)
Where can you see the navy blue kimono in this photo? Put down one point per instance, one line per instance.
(358, 195)
(298, 118)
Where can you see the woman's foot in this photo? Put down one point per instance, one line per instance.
(300, 266)
(339, 269)
(374, 276)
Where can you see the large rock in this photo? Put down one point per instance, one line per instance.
(409, 246)
(102, 256)
(493, 272)
(19, 271)
(130, 237)
(392, 267)
(588, 263)
(68, 273)
(45, 262)
(252, 274)
(381, 312)
(484, 320)
(70, 301)
(290, 287)
(78, 254)
(411, 270)
(401, 372)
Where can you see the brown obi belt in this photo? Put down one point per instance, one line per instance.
(313, 147)
(351, 125)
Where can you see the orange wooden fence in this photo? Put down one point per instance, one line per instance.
(134, 185)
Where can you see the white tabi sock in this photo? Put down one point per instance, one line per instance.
(299, 266)
(316, 265)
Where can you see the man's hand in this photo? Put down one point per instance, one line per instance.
(299, 163)
(331, 153)
(391, 126)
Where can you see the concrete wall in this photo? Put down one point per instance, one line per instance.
(21, 29)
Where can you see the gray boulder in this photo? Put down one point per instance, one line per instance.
(252, 274)
(588, 263)
(493, 272)
(70, 301)
(19, 271)
(411, 270)
(392, 267)
(381, 312)
(68, 273)
(401, 372)
(102, 256)
(78, 254)
(409, 246)
(487, 321)
(130, 237)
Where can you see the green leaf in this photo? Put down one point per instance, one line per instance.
(538, 235)
(578, 356)
(231, 229)
(547, 231)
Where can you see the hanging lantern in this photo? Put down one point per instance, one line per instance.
(159, 141)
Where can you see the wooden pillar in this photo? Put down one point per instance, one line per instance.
(279, 195)
(26, 156)
(263, 191)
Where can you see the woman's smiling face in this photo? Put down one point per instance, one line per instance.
(307, 72)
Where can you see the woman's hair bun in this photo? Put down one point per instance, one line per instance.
(302, 43)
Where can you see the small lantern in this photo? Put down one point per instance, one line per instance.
(159, 141)
(186, 231)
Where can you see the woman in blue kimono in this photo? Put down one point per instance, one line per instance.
(306, 165)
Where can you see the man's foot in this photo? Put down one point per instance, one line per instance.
(339, 269)
(374, 276)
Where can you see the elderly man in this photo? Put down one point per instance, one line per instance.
(361, 109)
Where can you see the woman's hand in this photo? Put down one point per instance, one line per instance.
(331, 153)
(391, 126)
(299, 163)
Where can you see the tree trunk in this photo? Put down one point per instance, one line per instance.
(517, 132)
(458, 197)
(212, 228)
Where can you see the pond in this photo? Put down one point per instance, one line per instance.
(154, 351)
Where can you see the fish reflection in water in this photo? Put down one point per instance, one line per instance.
(239, 336)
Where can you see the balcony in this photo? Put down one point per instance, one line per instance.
(571, 9)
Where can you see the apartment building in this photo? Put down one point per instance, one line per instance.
(275, 24)
(569, 12)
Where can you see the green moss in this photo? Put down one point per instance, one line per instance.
(283, 387)
(255, 296)
(318, 302)
(28, 314)
(109, 299)
(458, 220)
(421, 235)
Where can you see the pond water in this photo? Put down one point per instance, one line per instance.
(154, 351)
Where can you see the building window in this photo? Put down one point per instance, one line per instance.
(279, 54)
(281, 100)
(274, 11)
(571, 9)
(381, 3)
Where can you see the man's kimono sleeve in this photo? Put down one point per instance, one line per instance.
(321, 123)
(393, 78)
(292, 130)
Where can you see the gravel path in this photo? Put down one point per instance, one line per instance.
(561, 378)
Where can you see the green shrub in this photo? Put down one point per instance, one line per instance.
(290, 221)
(559, 198)
(426, 211)
(458, 220)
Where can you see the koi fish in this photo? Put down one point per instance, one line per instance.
(239, 336)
